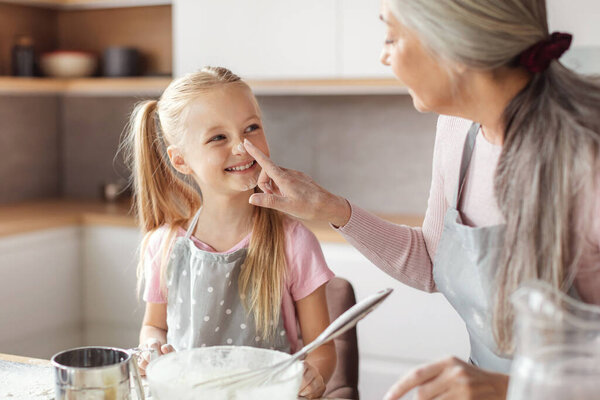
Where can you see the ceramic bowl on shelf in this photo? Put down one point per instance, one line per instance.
(68, 64)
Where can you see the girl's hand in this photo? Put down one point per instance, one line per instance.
(451, 378)
(295, 193)
(313, 385)
(155, 347)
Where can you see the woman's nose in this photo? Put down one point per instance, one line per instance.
(385, 56)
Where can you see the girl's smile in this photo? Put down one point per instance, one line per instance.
(242, 168)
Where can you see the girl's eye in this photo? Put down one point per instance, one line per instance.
(251, 128)
(389, 41)
(217, 138)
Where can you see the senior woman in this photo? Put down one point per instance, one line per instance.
(515, 192)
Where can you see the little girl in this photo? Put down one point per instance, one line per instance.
(218, 270)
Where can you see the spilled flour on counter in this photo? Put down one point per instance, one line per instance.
(25, 381)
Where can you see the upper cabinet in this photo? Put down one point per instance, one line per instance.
(260, 39)
(361, 35)
(271, 39)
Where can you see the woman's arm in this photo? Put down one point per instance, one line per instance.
(153, 334)
(403, 252)
(313, 316)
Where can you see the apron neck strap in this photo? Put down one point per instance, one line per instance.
(466, 159)
(193, 224)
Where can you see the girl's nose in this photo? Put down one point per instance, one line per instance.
(238, 149)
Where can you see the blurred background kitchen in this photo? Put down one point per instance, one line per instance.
(70, 73)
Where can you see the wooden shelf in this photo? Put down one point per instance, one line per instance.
(326, 87)
(87, 4)
(154, 86)
(139, 86)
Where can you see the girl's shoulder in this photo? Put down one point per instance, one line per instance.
(307, 268)
(297, 235)
(156, 237)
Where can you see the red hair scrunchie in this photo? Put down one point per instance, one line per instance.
(538, 57)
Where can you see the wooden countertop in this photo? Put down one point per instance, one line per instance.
(39, 215)
(23, 360)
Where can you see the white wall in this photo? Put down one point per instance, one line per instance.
(582, 19)
(579, 17)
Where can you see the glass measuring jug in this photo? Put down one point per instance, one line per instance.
(557, 346)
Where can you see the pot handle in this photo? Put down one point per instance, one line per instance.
(137, 380)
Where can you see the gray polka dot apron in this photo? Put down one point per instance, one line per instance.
(204, 307)
(464, 271)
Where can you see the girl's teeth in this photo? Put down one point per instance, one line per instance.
(243, 167)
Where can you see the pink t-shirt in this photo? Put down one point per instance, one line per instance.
(307, 269)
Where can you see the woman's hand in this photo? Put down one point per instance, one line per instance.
(313, 385)
(295, 193)
(154, 346)
(449, 379)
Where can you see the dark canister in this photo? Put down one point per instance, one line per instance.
(121, 61)
(23, 57)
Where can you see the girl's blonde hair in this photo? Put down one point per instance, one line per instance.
(164, 197)
(545, 177)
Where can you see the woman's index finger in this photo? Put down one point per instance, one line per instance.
(265, 162)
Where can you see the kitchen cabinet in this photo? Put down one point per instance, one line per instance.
(269, 39)
(40, 300)
(112, 315)
(68, 287)
(410, 328)
(262, 39)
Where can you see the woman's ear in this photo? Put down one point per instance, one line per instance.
(177, 160)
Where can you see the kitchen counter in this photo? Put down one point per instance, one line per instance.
(26, 368)
(45, 214)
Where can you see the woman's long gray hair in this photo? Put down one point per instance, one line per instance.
(546, 175)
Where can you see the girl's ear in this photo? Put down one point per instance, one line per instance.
(177, 160)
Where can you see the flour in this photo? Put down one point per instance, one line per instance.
(175, 375)
(26, 381)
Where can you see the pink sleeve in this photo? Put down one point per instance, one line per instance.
(405, 253)
(152, 257)
(306, 264)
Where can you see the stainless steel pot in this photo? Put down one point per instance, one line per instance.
(96, 373)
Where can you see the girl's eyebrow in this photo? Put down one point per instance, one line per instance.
(381, 18)
(212, 128)
(253, 116)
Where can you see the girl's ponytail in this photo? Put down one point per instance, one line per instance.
(150, 179)
(160, 196)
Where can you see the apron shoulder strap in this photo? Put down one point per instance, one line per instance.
(466, 159)
(193, 224)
